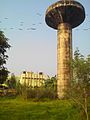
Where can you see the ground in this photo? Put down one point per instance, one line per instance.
(19, 109)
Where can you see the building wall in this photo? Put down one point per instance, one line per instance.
(33, 79)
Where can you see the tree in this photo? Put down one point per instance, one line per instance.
(12, 81)
(79, 90)
(3, 57)
(3, 74)
(51, 83)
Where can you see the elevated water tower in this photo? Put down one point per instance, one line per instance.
(63, 16)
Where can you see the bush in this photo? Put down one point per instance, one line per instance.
(36, 93)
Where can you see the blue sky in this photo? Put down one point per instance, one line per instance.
(34, 44)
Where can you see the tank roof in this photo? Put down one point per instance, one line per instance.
(65, 11)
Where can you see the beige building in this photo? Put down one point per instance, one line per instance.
(33, 79)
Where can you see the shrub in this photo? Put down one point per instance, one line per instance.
(36, 93)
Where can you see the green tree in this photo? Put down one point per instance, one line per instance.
(12, 81)
(79, 89)
(51, 82)
(3, 57)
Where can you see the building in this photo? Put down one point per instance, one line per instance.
(33, 79)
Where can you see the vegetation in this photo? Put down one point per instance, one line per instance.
(11, 82)
(17, 109)
(41, 103)
(79, 90)
(3, 57)
(39, 94)
(51, 83)
(48, 90)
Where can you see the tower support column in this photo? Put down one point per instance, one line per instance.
(64, 55)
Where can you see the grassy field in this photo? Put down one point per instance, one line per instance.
(18, 109)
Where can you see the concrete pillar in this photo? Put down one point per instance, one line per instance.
(64, 55)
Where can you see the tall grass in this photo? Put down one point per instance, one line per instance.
(36, 93)
(19, 109)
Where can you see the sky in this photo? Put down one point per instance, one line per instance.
(33, 43)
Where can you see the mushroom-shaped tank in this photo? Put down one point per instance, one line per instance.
(65, 11)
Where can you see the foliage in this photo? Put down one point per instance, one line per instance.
(19, 109)
(36, 93)
(11, 82)
(3, 57)
(51, 83)
(3, 74)
(39, 93)
(81, 68)
(79, 90)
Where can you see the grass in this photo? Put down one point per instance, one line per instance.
(19, 109)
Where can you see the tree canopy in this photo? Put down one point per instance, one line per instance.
(3, 57)
(79, 90)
